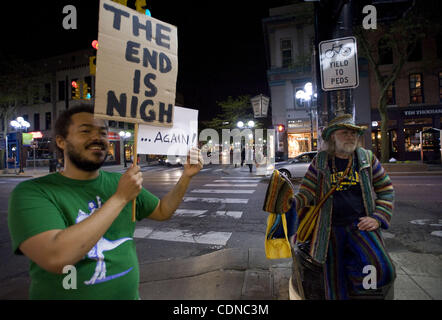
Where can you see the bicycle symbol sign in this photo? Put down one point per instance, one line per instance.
(339, 64)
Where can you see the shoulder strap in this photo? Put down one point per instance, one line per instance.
(329, 193)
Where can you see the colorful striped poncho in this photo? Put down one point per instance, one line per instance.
(316, 183)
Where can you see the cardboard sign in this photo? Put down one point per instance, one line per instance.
(137, 67)
(170, 141)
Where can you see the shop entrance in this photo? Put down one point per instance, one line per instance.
(298, 143)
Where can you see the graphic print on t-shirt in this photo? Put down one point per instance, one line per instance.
(103, 245)
(352, 179)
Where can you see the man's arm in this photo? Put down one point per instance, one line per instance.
(54, 249)
(171, 201)
(307, 189)
(384, 195)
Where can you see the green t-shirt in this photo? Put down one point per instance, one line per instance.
(110, 269)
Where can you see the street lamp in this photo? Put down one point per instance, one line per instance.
(306, 96)
(250, 125)
(20, 125)
(125, 135)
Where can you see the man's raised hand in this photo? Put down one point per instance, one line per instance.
(130, 183)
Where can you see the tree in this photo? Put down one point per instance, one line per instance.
(401, 37)
(232, 111)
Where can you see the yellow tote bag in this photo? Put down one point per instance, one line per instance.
(278, 248)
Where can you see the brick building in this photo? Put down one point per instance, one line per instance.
(414, 103)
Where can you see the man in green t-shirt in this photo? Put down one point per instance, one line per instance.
(75, 226)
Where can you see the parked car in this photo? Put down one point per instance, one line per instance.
(175, 160)
(296, 167)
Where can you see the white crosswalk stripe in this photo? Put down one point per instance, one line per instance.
(210, 237)
(246, 178)
(234, 186)
(231, 185)
(233, 214)
(216, 200)
(189, 213)
(222, 191)
(234, 180)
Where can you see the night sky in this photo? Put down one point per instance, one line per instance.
(220, 43)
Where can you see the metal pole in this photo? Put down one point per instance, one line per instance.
(66, 101)
(34, 147)
(311, 124)
(21, 152)
(422, 146)
(7, 152)
(124, 153)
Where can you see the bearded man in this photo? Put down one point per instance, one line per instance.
(80, 218)
(347, 240)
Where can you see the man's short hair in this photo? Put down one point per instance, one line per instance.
(65, 120)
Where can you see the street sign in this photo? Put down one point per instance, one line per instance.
(339, 64)
(260, 104)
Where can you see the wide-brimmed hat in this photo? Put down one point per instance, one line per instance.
(342, 122)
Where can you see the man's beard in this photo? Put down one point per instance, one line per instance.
(347, 148)
(81, 162)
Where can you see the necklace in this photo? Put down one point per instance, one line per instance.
(347, 169)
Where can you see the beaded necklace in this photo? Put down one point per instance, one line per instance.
(347, 169)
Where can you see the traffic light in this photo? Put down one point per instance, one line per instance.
(281, 128)
(140, 6)
(85, 92)
(75, 92)
(123, 2)
(92, 65)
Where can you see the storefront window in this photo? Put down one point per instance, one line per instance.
(111, 152)
(375, 143)
(412, 140)
(393, 140)
(298, 143)
(430, 139)
(128, 152)
(416, 88)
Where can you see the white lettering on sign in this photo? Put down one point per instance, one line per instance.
(422, 112)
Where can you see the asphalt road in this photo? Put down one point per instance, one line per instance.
(223, 209)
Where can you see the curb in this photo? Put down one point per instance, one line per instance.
(226, 274)
(415, 173)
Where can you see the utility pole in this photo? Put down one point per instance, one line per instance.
(336, 22)
(342, 100)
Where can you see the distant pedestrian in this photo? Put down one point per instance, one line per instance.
(81, 217)
(250, 159)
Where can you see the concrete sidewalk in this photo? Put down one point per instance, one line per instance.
(42, 171)
(246, 274)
